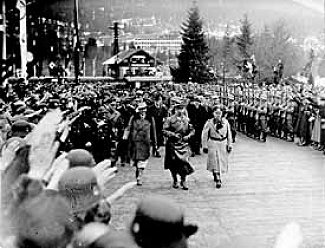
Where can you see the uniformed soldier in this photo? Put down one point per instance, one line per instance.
(197, 119)
(282, 116)
(178, 131)
(159, 112)
(262, 111)
(322, 120)
(289, 123)
(231, 116)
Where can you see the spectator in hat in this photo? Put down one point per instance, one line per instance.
(20, 128)
(141, 131)
(217, 142)
(159, 223)
(178, 131)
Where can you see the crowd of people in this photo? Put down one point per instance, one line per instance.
(82, 132)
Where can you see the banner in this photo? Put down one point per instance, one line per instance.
(21, 6)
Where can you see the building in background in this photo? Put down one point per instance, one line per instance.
(132, 63)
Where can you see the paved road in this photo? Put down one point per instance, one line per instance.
(268, 185)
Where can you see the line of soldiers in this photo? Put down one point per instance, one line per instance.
(282, 113)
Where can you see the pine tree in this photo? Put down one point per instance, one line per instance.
(227, 45)
(193, 58)
(244, 40)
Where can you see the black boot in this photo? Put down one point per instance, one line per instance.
(218, 181)
(214, 176)
(183, 183)
(138, 175)
(175, 181)
(264, 135)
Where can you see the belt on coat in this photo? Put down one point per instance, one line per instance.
(218, 139)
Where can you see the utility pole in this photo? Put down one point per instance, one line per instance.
(77, 41)
(116, 47)
(4, 33)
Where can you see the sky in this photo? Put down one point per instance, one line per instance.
(317, 5)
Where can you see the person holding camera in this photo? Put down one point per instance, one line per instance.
(217, 143)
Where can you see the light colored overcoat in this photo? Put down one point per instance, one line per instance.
(217, 154)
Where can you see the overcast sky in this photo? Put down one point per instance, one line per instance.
(317, 5)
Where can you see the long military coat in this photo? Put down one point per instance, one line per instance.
(178, 131)
(139, 131)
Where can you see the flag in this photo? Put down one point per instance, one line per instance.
(21, 6)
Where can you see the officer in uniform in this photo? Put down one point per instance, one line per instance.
(322, 120)
(159, 112)
(256, 127)
(178, 131)
(276, 115)
(282, 116)
(250, 117)
(231, 116)
(289, 120)
(197, 119)
(262, 112)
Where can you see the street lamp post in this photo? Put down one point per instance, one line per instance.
(225, 87)
(77, 41)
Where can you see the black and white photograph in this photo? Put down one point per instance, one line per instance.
(162, 123)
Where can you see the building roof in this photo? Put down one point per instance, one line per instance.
(118, 58)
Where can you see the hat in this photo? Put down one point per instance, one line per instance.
(20, 128)
(196, 99)
(89, 234)
(177, 101)
(263, 97)
(231, 97)
(80, 157)
(45, 220)
(54, 103)
(158, 220)
(139, 92)
(141, 106)
(79, 185)
(217, 108)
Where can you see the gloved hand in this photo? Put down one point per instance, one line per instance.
(186, 138)
(205, 150)
(229, 149)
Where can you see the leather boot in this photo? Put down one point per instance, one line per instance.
(214, 176)
(175, 181)
(183, 183)
(138, 175)
(218, 181)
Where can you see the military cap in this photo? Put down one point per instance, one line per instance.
(139, 92)
(141, 106)
(20, 128)
(158, 219)
(263, 97)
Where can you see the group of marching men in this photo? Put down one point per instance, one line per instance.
(132, 125)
